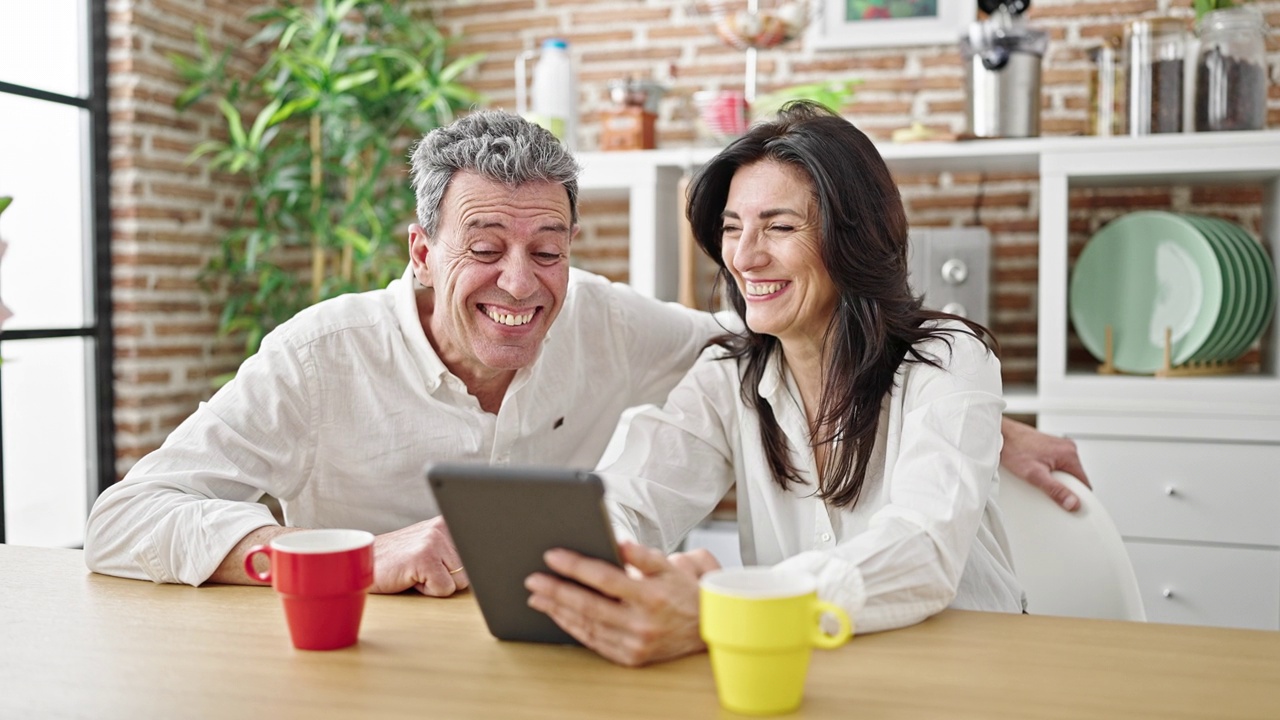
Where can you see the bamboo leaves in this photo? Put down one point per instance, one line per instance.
(319, 132)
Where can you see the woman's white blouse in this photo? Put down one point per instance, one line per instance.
(925, 533)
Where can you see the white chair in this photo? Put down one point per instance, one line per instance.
(1069, 563)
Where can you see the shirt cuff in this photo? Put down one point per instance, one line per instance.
(839, 581)
(193, 559)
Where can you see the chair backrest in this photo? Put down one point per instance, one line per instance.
(1069, 563)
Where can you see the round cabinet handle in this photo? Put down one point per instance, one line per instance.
(1167, 592)
(956, 308)
(954, 271)
(1170, 490)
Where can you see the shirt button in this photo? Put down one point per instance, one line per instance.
(826, 537)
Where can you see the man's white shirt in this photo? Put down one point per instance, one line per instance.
(343, 407)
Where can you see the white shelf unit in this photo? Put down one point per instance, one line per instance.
(1200, 159)
(1188, 467)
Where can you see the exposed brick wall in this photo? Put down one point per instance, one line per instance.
(166, 218)
(168, 215)
(613, 39)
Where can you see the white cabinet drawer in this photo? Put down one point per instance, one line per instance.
(1194, 585)
(1214, 492)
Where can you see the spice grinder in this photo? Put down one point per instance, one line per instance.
(1002, 72)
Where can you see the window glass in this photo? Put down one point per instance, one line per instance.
(44, 166)
(41, 45)
(47, 416)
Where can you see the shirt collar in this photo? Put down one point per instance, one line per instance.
(404, 297)
(773, 381)
(778, 388)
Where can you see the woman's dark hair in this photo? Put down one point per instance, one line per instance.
(877, 322)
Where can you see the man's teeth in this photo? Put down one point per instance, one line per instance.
(508, 318)
(764, 288)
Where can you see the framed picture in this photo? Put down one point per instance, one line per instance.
(852, 24)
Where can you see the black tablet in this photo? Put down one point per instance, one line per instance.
(503, 519)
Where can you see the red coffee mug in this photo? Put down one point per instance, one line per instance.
(322, 577)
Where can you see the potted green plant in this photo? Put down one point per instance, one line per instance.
(320, 132)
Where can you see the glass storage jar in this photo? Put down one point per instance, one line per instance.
(1105, 104)
(1231, 71)
(1154, 53)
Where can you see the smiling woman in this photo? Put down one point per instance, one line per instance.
(860, 431)
(772, 248)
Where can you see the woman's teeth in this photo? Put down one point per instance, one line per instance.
(764, 288)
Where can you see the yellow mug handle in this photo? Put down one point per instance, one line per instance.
(820, 637)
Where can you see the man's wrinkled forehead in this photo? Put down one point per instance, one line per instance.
(499, 221)
(476, 202)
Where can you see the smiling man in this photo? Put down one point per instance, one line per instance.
(489, 349)
(499, 267)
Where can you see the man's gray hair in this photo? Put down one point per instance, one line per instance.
(496, 145)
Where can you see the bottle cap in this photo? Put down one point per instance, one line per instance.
(555, 43)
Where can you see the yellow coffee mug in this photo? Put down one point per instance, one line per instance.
(760, 626)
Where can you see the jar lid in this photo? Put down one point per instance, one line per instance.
(1237, 18)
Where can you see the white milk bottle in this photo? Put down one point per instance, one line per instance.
(555, 92)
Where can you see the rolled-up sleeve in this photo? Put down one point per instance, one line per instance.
(183, 507)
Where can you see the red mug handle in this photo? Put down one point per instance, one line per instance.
(251, 570)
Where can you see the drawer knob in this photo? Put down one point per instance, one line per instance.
(1167, 592)
(955, 271)
(1170, 490)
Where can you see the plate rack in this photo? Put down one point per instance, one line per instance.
(1191, 368)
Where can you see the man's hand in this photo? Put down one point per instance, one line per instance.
(645, 614)
(421, 556)
(1033, 456)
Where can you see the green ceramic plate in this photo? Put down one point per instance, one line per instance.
(1237, 339)
(1263, 275)
(1236, 289)
(1268, 274)
(1141, 273)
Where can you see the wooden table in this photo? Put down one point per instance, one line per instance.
(75, 644)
